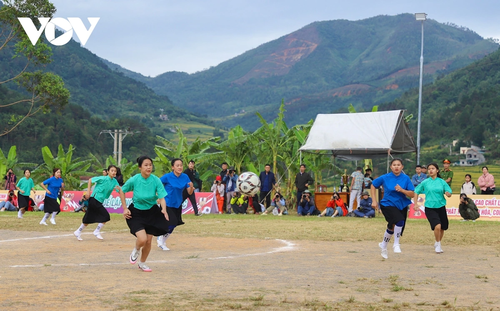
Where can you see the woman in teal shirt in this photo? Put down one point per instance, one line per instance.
(96, 212)
(435, 203)
(144, 218)
(24, 187)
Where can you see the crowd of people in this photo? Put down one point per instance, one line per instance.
(153, 213)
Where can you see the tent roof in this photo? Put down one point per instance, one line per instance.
(361, 135)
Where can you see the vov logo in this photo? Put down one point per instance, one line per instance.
(49, 25)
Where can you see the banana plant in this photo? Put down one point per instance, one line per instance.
(71, 169)
(11, 161)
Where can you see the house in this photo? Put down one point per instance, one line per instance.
(473, 156)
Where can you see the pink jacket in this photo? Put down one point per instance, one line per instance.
(486, 181)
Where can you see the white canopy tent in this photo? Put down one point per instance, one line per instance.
(355, 136)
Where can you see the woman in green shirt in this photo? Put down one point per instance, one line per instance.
(96, 212)
(144, 218)
(24, 187)
(435, 203)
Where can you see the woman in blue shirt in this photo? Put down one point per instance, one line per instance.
(175, 182)
(96, 212)
(52, 187)
(394, 205)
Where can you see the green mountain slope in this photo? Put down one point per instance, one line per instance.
(323, 67)
(463, 105)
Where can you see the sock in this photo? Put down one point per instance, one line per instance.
(54, 215)
(161, 240)
(82, 226)
(387, 237)
(20, 213)
(397, 233)
(45, 217)
(99, 227)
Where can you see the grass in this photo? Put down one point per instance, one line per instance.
(289, 227)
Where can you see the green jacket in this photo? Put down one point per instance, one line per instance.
(468, 210)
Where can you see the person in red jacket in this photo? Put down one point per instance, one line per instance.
(335, 207)
(10, 204)
(486, 182)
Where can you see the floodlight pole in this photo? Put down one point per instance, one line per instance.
(420, 17)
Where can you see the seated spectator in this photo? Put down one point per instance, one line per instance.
(253, 202)
(239, 203)
(468, 186)
(335, 207)
(10, 204)
(306, 205)
(277, 202)
(467, 208)
(365, 208)
(84, 203)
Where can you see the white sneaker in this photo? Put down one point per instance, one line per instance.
(144, 267)
(159, 240)
(396, 248)
(383, 251)
(437, 248)
(78, 235)
(53, 221)
(20, 217)
(134, 256)
(43, 223)
(98, 235)
(164, 247)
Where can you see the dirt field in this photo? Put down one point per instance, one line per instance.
(54, 271)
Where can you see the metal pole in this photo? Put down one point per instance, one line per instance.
(420, 94)
(120, 148)
(115, 145)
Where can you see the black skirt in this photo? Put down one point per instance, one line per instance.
(152, 220)
(50, 205)
(175, 216)
(96, 213)
(437, 216)
(23, 201)
(393, 215)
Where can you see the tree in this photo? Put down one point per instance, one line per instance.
(71, 169)
(46, 90)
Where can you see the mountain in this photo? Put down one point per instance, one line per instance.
(104, 92)
(460, 106)
(322, 68)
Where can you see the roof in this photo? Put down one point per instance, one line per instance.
(361, 135)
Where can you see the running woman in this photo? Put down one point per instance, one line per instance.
(96, 212)
(435, 203)
(144, 218)
(25, 187)
(394, 205)
(175, 182)
(52, 187)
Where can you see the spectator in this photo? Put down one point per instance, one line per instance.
(194, 176)
(356, 187)
(486, 182)
(10, 180)
(84, 202)
(218, 188)
(446, 173)
(277, 202)
(365, 208)
(253, 202)
(119, 176)
(467, 208)
(223, 173)
(367, 181)
(468, 186)
(267, 182)
(418, 177)
(424, 169)
(239, 203)
(335, 207)
(306, 205)
(10, 204)
(105, 172)
(302, 182)
(230, 181)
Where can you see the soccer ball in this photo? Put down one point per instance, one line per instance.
(248, 183)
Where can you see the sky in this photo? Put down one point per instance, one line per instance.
(155, 36)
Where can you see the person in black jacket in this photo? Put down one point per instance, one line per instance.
(302, 182)
(267, 183)
(194, 176)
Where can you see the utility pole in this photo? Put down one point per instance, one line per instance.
(118, 137)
